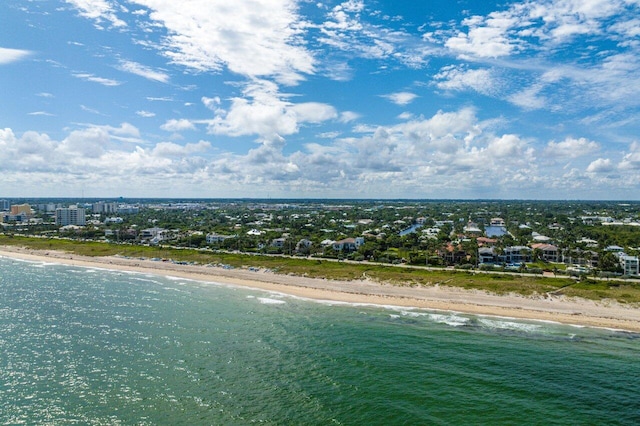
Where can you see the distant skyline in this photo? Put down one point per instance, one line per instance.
(298, 99)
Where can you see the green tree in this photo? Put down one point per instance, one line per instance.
(609, 262)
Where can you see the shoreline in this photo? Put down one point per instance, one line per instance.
(604, 314)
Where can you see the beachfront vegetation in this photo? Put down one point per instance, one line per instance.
(403, 275)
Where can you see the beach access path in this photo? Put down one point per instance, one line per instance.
(555, 308)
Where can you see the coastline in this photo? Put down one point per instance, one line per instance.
(580, 312)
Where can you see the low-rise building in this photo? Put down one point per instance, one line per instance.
(303, 245)
(278, 242)
(348, 244)
(497, 221)
(214, 238)
(516, 254)
(453, 254)
(548, 252)
(629, 264)
(485, 241)
(154, 235)
(487, 255)
(15, 218)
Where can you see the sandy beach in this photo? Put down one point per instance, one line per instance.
(603, 314)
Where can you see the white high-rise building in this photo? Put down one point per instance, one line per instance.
(70, 216)
(103, 207)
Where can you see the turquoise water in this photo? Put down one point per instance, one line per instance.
(89, 346)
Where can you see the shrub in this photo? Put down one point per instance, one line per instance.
(466, 266)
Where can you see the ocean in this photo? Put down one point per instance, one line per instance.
(96, 347)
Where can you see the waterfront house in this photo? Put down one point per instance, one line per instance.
(629, 264)
(214, 238)
(278, 242)
(548, 252)
(303, 246)
(516, 254)
(453, 254)
(487, 255)
(497, 221)
(348, 244)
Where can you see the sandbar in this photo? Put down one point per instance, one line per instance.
(561, 309)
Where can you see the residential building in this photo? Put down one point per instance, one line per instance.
(486, 255)
(441, 223)
(103, 207)
(214, 238)
(303, 245)
(21, 209)
(548, 252)
(155, 235)
(472, 229)
(588, 242)
(327, 243)
(516, 254)
(348, 244)
(278, 242)
(593, 258)
(71, 215)
(629, 264)
(18, 218)
(431, 233)
(497, 221)
(126, 209)
(49, 208)
(540, 238)
(453, 254)
(484, 241)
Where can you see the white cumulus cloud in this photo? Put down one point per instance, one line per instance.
(146, 114)
(263, 111)
(601, 165)
(459, 78)
(571, 148)
(98, 10)
(253, 38)
(401, 98)
(175, 125)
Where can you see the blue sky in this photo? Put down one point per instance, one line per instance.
(320, 99)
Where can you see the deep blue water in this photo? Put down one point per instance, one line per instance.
(89, 346)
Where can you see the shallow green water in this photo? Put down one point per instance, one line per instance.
(89, 346)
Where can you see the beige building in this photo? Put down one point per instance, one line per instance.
(21, 209)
